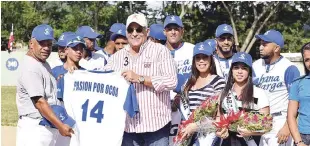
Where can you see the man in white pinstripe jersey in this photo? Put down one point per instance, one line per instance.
(150, 67)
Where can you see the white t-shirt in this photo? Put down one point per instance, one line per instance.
(97, 102)
(96, 62)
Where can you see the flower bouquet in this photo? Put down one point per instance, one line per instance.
(256, 122)
(204, 115)
(231, 121)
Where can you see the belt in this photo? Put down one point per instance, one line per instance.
(277, 114)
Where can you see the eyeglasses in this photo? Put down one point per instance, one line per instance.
(138, 30)
(223, 38)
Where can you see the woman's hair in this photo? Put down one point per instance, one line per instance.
(195, 74)
(247, 91)
(303, 48)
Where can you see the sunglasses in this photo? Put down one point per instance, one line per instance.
(121, 43)
(138, 30)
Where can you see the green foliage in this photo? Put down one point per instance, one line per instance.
(200, 20)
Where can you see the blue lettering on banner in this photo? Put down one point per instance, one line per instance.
(96, 87)
(270, 83)
(12, 64)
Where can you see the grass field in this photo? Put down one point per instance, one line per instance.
(9, 114)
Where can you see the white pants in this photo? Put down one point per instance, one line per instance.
(30, 133)
(270, 139)
(206, 141)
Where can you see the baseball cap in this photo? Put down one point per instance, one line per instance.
(212, 43)
(120, 32)
(63, 39)
(116, 26)
(74, 40)
(87, 32)
(222, 29)
(137, 18)
(272, 36)
(242, 57)
(203, 48)
(157, 31)
(173, 19)
(61, 114)
(43, 32)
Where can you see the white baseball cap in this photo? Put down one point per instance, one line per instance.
(137, 18)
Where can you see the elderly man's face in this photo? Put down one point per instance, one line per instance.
(41, 50)
(136, 35)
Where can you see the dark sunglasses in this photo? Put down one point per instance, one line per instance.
(121, 43)
(138, 30)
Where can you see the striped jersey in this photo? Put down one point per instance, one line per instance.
(93, 100)
(155, 61)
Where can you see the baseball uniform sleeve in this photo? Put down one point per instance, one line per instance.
(33, 83)
(291, 73)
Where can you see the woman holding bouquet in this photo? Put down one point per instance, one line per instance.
(203, 83)
(299, 101)
(240, 94)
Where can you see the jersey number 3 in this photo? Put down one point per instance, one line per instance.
(95, 112)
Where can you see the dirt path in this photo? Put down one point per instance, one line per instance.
(8, 135)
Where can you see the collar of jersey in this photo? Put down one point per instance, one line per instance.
(174, 49)
(275, 61)
(104, 52)
(223, 59)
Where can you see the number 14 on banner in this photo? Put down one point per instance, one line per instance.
(95, 112)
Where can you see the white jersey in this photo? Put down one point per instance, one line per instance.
(222, 66)
(96, 62)
(104, 54)
(97, 102)
(275, 79)
(55, 62)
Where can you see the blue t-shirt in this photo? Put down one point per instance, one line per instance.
(299, 91)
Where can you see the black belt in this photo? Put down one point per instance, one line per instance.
(277, 114)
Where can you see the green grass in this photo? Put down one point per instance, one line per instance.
(9, 115)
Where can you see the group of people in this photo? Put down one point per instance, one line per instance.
(171, 79)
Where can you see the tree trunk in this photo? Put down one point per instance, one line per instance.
(183, 10)
(272, 12)
(232, 21)
(130, 7)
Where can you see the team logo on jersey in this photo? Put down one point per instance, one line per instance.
(61, 37)
(172, 18)
(242, 56)
(184, 66)
(47, 31)
(270, 83)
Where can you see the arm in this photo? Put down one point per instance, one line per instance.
(291, 119)
(167, 80)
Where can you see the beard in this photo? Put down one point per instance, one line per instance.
(225, 51)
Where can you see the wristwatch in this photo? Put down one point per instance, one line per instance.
(141, 80)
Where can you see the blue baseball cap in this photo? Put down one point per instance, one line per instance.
(116, 26)
(43, 32)
(203, 48)
(272, 36)
(120, 32)
(222, 29)
(74, 40)
(242, 57)
(61, 114)
(63, 39)
(173, 19)
(157, 32)
(212, 43)
(87, 32)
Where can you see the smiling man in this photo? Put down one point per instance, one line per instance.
(150, 67)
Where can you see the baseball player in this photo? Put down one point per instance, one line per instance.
(225, 45)
(36, 91)
(156, 33)
(91, 60)
(274, 74)
(119, 38)
(182, 53)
